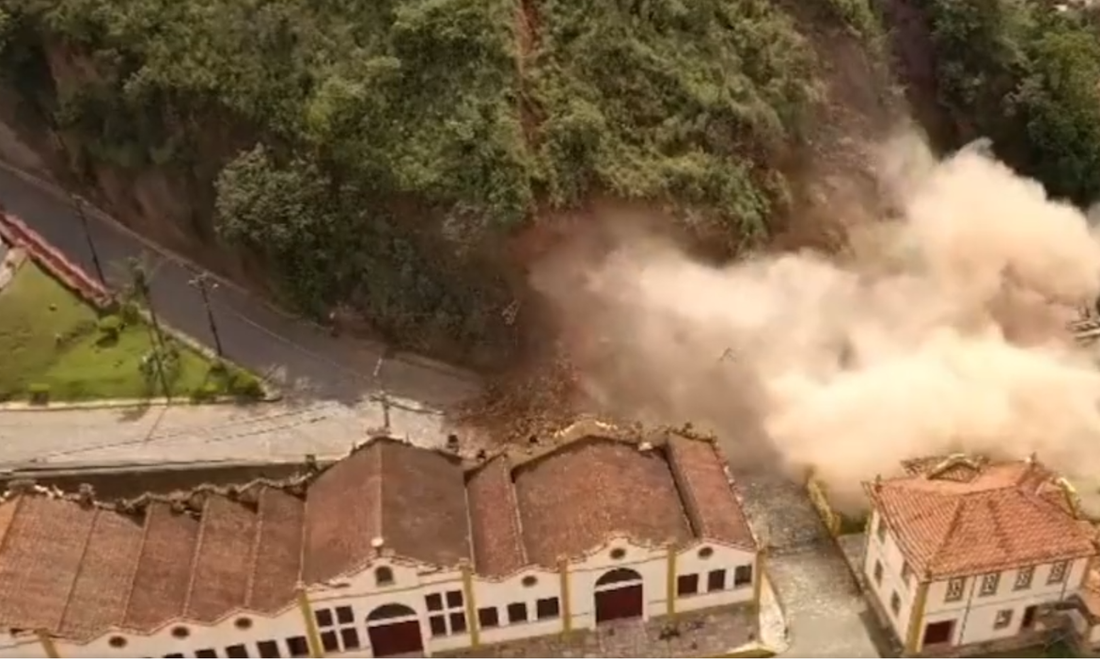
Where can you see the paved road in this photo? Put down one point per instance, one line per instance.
(332, 385)
(297, 353)
(826, 614)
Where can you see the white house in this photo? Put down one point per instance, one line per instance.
(394, 550)
(963, 555)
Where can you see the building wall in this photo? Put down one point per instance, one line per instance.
(975, 615)
(436, 599)
(26, 645)
(883, 550)
(186, 640)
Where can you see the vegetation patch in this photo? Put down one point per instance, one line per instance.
(57, 348)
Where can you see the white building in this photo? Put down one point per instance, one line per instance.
(962, 555)
(393, 550)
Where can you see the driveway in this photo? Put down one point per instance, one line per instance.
(826, 614)
(296, 353)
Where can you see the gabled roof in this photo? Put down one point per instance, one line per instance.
(957, 516)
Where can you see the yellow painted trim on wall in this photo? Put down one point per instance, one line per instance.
(48, 646)
(566, 599)
(312, 636)
(670, 580)
(758, 577)
(471, 606)
(916, 619)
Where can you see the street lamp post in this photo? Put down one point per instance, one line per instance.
(79, 208)
(141, 288)
(203, 283)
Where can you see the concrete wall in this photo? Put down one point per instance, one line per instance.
(882, 550)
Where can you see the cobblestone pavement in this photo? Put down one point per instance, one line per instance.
(262, 433)
(696, 634)
(826, 614)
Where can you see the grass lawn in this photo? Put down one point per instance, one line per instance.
(51, 338)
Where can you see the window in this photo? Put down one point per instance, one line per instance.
(529, 580)
(488, 617)
(181, 632)
(618, 554)
(350, 638)
(236, 651)
(448, 613)
(880, 530)
(117, 642)
(716, 580)
(1058, 572)
(989, 584)
(706, 552)
(383, 576)
(1003, 619)
(296, 646)
(878, 572)
(1024, 577)
(687, 584)
(243, 623)
(906, 572)
(268, 649)
(895, 603)
(547, 608)
(517, 612)
(955, 589)
(329, 641)
(742, 576)
(206, 654)
(337, 626)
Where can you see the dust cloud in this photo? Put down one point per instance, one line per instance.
(941, 329)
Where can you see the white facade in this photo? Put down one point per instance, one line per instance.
(974, 609)
(392, 605)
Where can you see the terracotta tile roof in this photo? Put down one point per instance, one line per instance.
(708, 494)
(573, 499)
(163, 573)
(494, 519)
(223, 560)
(997, 517)
(278, 553)
(412, 499)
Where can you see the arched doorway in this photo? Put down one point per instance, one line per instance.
(394, 629)
(619, 595)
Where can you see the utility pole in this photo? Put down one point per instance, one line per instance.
(203, 283)
(140, 282)
(79, 208)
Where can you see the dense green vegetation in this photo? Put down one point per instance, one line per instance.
(375, 154)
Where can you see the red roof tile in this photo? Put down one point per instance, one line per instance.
(494, 520)
(223, 560)
(164, 567)
(951, 523)
(708, 494)
(278, 554)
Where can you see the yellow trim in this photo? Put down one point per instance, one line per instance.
(1085, 574)
(566, 603)
(758, 578)
(312, 637)
(670, 580)
(471, 606)
(916, 619)
(48, 645)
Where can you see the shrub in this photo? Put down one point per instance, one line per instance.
(246, 385)
(206, 392)
(130, 312)
(110, 327)
(39, 393)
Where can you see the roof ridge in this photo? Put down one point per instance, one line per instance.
(79, 568)
(185, 610)
(148, 518)
(250, 586)
(515, 518)
(380, 508)
(689, 505)
(998, 528)
(941, 542)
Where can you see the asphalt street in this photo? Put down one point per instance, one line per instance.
(304, 359)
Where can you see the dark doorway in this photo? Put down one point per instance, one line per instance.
(937, 633)
(394, 629)
(619, 595)
(1029, 618)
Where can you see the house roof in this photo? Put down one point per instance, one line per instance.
(82, 567)
(957, 516)
(598, 482)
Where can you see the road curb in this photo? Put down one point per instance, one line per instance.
(132, 403)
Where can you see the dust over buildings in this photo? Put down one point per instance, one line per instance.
(941, 329)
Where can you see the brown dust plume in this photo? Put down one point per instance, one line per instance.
(940, 330)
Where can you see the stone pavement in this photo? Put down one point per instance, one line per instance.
(274, 432)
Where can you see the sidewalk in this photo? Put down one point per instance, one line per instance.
(274, 432)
